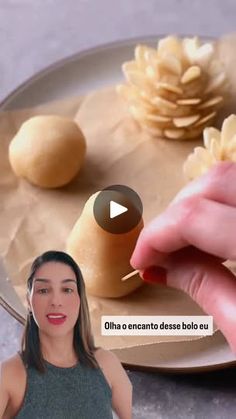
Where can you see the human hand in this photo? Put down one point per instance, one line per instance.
(186, 245)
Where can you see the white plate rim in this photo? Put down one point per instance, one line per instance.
(83, 53)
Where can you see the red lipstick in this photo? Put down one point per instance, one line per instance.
(56, 318)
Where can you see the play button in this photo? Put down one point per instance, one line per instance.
(118, 209)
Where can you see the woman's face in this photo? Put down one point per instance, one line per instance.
(54, 299)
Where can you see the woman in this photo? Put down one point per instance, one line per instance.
(60, 373)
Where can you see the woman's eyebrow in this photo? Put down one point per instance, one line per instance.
(48, 280)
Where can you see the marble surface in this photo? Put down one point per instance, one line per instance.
(36, 33)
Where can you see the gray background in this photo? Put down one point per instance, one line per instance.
(36, 33)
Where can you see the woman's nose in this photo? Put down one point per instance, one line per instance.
(56, 299)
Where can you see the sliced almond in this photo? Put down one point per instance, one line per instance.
(137, 112)
(228, 129)
(171, 64)
(144, 95)
(172, 45)
(231, 146)
(215, 83)
(151, 72)
(202, 154)
(145, 104)
(185, 121)
(204, 54)
(191, 74)
(211, 102)
(145, 56)
(215, 149)
(188, 102)
(208, 134)
(150, 55)
(129, 66)
(174, 134)
(190, 46)
(205, 119)
(158, 118)
(136, 78)
(170, 87)
(160, 101)
(139, 54)
(126, 91)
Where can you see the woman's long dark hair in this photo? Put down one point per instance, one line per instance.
(83, 341)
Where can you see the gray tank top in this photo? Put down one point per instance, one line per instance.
(77, 392)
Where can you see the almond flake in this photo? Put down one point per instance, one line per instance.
(169, 87)
(159, 101)
(211, 102)
(158, 118)
(191, 74)
(171, 63)
(187, 102)
(174, 134)
(185, 121)
(205, 119)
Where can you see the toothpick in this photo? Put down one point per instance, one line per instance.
(130, 275)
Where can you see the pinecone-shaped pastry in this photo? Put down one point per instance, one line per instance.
(219, 145)
(174, 91)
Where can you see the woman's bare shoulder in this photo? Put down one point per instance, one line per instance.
(118, 379)
(105, 356)
(13, 382)
(110, 364)
(12, 366)
(14, 361)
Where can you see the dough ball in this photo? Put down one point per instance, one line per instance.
(103, 257)
(47, 150)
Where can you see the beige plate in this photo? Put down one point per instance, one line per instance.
(77, 75)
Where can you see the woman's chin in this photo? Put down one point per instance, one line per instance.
(55, 331)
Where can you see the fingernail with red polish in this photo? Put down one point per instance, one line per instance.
(155, 274)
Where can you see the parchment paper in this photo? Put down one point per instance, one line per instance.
(33, 220)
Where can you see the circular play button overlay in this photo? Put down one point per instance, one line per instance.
(118, 209)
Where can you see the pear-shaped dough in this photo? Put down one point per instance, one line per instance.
(48, 151)
(103, 257)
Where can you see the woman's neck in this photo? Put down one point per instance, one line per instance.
(58, 350)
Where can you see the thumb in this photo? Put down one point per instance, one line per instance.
(207, 282)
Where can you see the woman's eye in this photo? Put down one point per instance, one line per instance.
(46, 290)
(43, 291)
(68, 290)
